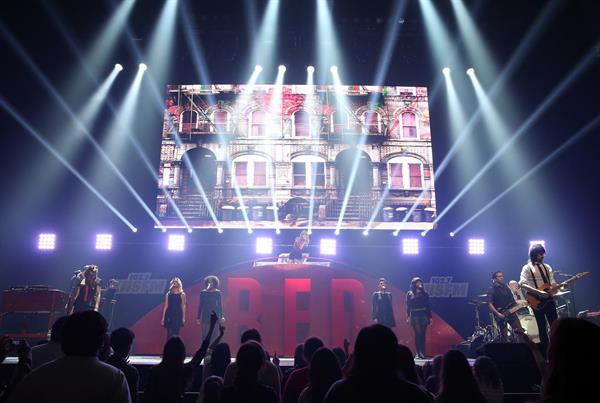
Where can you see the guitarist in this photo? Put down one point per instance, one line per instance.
(534, 275)
(500, 300)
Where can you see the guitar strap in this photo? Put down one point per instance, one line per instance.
(532, 275)
(544, 273)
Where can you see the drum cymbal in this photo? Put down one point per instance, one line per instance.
(561, 293)
(476, 302)
(483, 296)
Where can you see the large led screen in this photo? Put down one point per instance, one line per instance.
(296, 156)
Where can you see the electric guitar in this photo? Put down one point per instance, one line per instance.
(538, 302)
(514, 308)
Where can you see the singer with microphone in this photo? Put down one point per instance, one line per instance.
(418, 313)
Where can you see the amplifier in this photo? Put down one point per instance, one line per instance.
(29, 312)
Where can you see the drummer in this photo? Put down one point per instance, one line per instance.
(519, 298)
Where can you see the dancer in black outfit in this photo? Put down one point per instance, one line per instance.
(173, 317)
(418, 313)
(210, 300)
(383, 311)
(86, 292)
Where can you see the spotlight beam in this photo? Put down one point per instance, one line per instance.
(263, 49)
(391, 36)
(7, 107)
(477, 50)
(328, 49)
(195, 46)
(533, 117)
(52, 90)
(572, 140)
(90, 110)
(515, 60)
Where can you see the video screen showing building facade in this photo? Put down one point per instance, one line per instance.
(293, 156)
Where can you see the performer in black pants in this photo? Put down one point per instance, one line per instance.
(173, 317)
(210, 300)
(418, 313)
(383, 311)
(500, 300)
(535, 276)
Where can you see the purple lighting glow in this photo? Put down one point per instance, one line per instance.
(476, 247)
(410, 246)
(264, 246)
(328, 246)
(176, 242)
(104, 241)
(47, 241)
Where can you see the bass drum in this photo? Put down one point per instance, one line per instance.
(530, 326)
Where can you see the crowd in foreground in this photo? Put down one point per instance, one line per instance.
(82, 363)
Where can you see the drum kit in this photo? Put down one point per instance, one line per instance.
(491, 332)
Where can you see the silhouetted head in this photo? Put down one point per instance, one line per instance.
(121, 340)
(324, 371)
(375, 352)
(250, 358)
(251, 334)
(299, 356)
(486, 372)
(212, 389)
(311, 345)
(57, 329)
(406, 364)
(173, 352)
(83, 333)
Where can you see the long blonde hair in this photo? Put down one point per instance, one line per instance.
(176, 282)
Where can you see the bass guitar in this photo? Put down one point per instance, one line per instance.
(538, 302)
(514, 308)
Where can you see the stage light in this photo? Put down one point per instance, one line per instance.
(395, 233)
(134, 229)
(118, 67)
(336, 232)
(476, 247)
(410, 246)
(446, 70)
(278, 231)
(451, 234)
(282, 68)
(103, 241)
(258, 68)
(365, 232)
(47, 241)
(554, 95)
(470, 71)
(264, 246)
(309, 232)
(176, 242)
(250, 230)
(220, 230)
(164, 230)
(264, 44)
(310, 69)
(143, 67)
(328, 246)
(333, 69)
(537, 242)
(423, 233)
(189, 230)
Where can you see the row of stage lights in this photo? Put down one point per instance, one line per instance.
(264, 245)
(309, 69)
